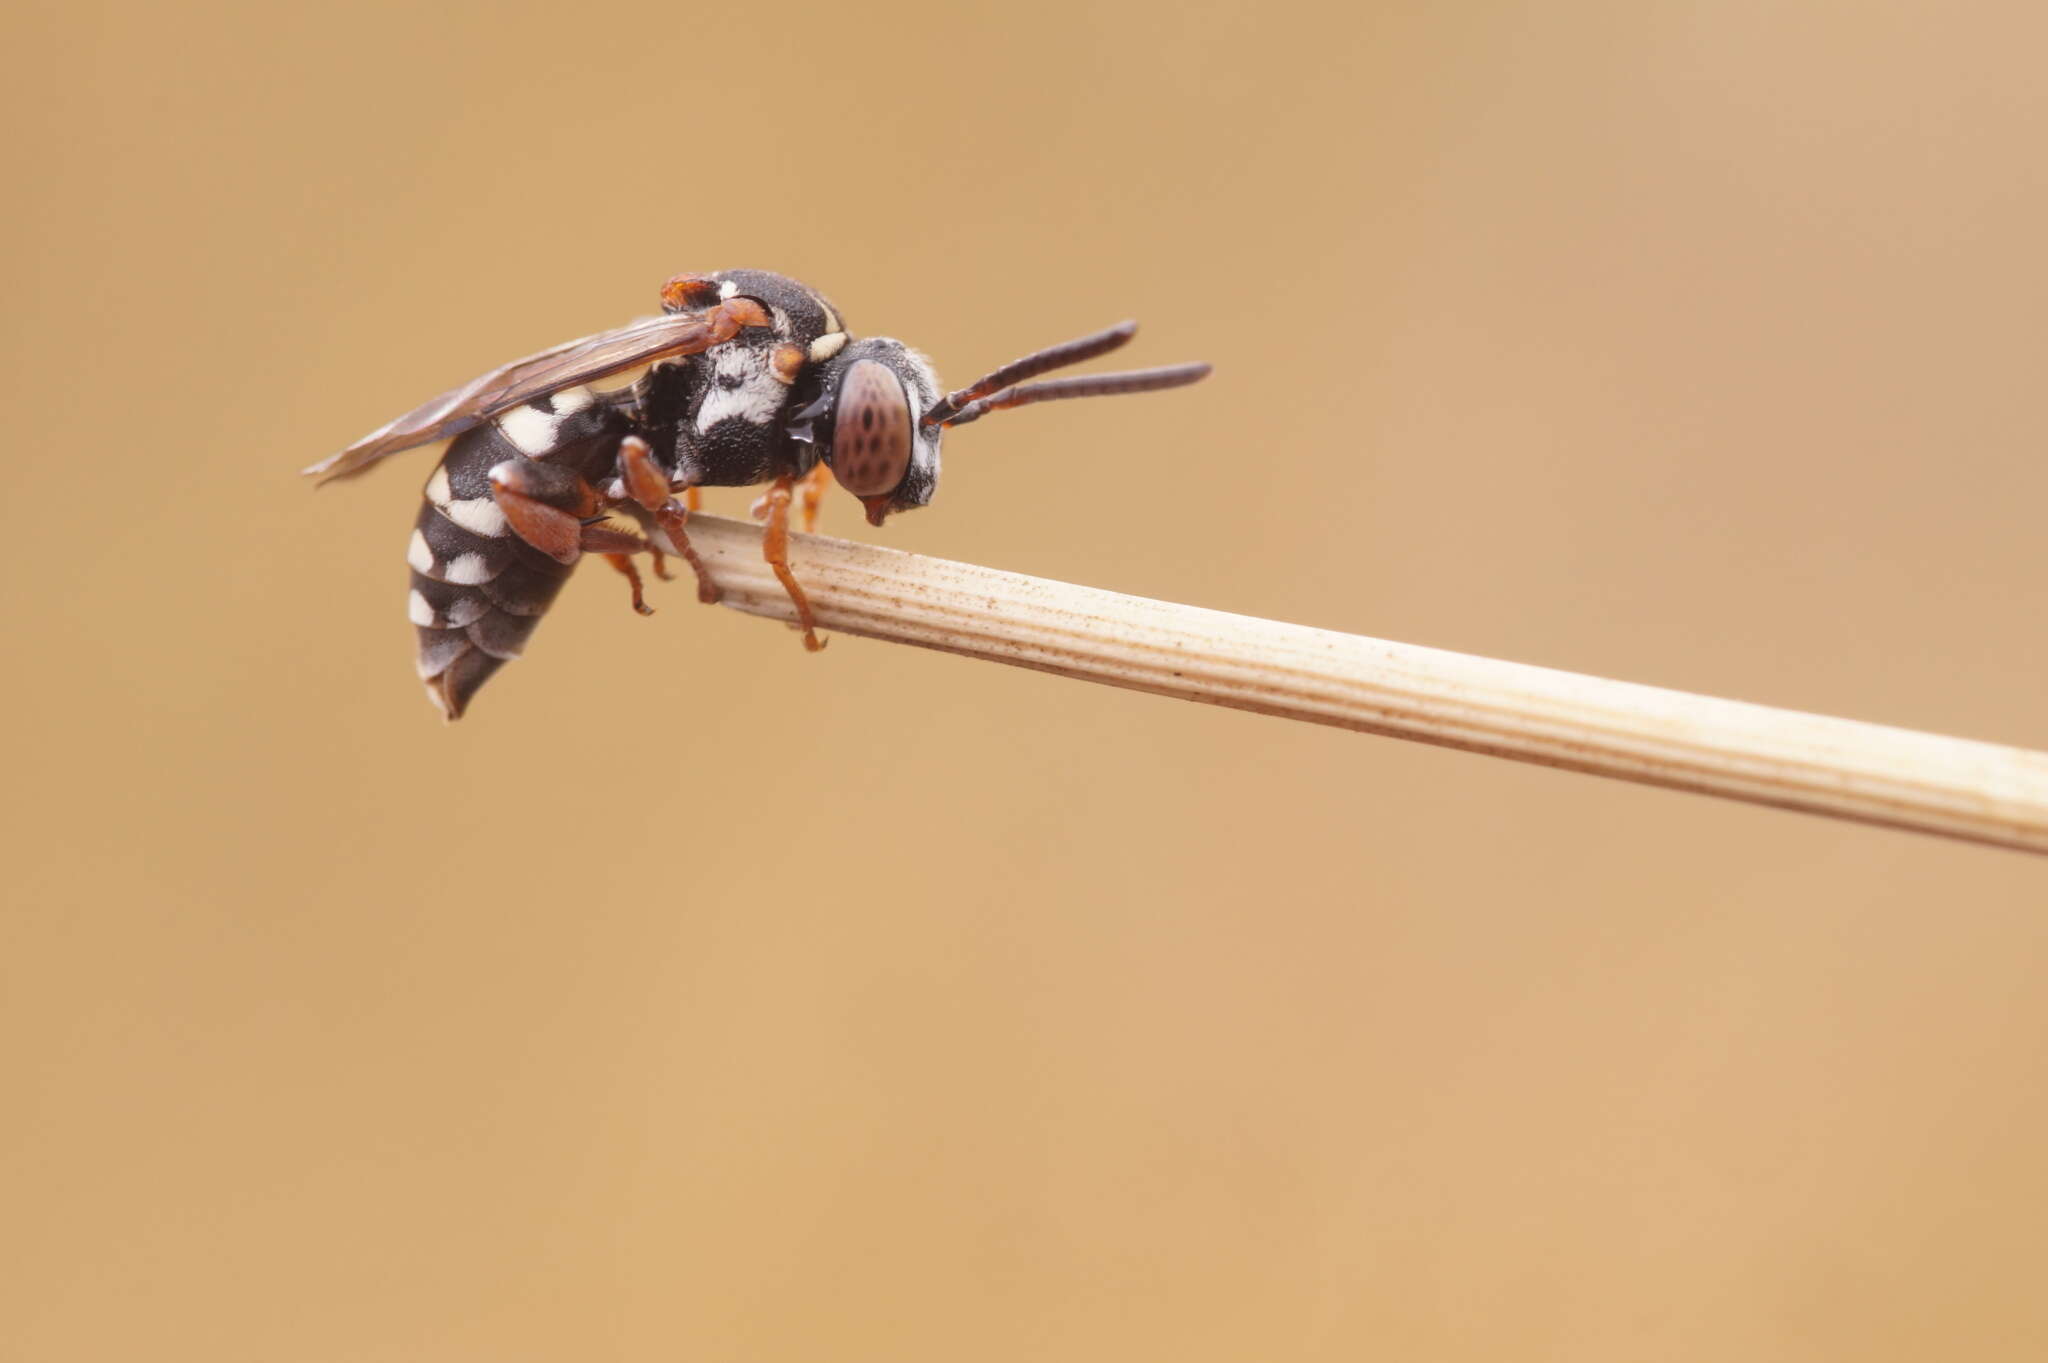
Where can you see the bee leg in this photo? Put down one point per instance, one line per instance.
(660, 564)
(545, 505)
(618, 547)
(775, 548)
(624, 564)
(648, 486)
(812, 490)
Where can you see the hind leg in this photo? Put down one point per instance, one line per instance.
(545, 504)
(552, 509)
(618, 547)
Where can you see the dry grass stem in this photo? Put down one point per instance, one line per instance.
(1954, 787)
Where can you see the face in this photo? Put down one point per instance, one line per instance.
(865, 425)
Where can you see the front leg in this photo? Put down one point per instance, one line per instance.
(775, 548)
(812, 490)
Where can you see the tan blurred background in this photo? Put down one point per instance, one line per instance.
(1695, 344)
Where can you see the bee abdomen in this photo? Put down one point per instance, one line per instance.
(478, 590)
(475, 600)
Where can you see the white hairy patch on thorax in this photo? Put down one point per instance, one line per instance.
(531, 431)
(571, 400)
(826, 346)
(756, 398)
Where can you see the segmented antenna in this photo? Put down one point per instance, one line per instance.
(1085, 386)
(1030, 367)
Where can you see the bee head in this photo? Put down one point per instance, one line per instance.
(868, 425)
(878, 416)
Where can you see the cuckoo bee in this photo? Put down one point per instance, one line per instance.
(747, 377)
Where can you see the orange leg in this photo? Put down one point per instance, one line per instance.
(775, 548)
(647, 485)
(544, 505)
(618, 547)
(624, 563)
(812, 489)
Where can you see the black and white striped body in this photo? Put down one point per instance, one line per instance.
(745, 378)
(713, 419)
(478, 589)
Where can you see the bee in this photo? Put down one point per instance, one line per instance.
(598, 446)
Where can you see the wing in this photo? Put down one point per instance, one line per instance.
(483, 397)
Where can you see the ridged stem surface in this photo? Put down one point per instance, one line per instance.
(1953, 787)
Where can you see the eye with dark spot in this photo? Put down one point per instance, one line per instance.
(871, 435)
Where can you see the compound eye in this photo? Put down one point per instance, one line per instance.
(871, 435)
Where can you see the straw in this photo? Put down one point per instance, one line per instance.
(1957, 788)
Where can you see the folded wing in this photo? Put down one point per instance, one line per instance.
(573, 362)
